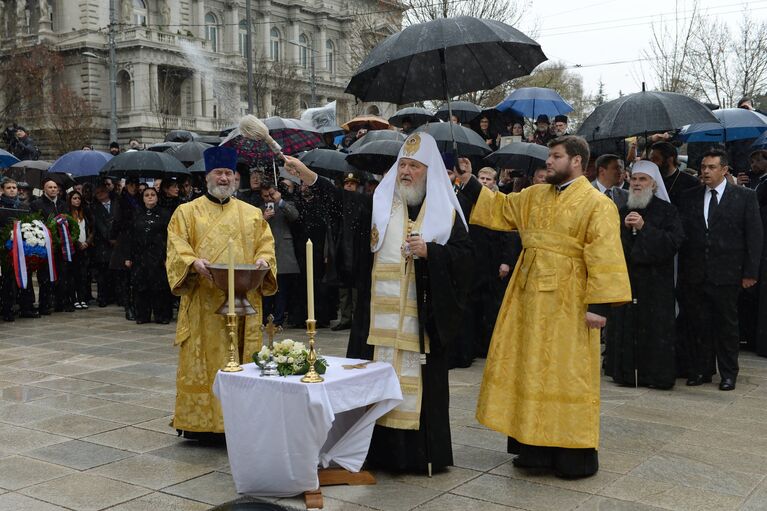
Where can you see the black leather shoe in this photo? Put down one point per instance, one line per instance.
(130, 315)
(102, 304)
(9, 318)
(29, 314)
(694, 381)
(727, 384)
(45, 312)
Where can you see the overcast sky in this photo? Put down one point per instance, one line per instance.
(597, 33)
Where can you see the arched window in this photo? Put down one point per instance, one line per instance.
(139, 12)
(303, 51)
(243, 28)
(274, 47)
(124, 91)
(330, 56)
(211, 30)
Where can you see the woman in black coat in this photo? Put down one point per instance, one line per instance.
(77, 289)
(147, 261)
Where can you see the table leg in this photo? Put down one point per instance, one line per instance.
(313, 499)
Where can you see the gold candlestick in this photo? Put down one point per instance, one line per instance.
(312, 376)
(231, 325)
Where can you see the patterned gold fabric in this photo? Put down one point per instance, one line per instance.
(201, 229)
(541, 380)
(394, 317)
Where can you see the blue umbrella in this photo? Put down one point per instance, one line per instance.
(81, 163)
(760, 143)
(7, 159)
(534, 101)
(734, 124)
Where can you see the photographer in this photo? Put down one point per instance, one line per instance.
(20, 144)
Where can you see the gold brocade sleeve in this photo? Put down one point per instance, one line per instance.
(264, 247)
(496, 211)
(180, 254)
(608, 280)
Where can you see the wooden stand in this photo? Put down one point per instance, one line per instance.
(333, 477)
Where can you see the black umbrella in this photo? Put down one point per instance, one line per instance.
(180, 136)
(416, 115)
(465, 111)
(377, 156)
(376, 136)
(332, 130)
(520, 156)
(643, 113)
(443, 58)
(144, 164)
(451, 137)
(198, 166)
(31, 171)
(189, 152)
(326, 162)
(163, 146)
(208, 139)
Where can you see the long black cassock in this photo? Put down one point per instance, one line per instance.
(642, 335)
(444, 284)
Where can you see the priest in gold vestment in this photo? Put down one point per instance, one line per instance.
(198, 235)
(541, 381)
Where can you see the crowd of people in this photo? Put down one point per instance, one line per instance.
(123, 235)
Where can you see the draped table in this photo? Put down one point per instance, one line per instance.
(279, 430)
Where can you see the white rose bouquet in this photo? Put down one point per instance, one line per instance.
(291, 358)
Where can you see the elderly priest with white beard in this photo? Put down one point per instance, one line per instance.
(414, 287)
(641, 335)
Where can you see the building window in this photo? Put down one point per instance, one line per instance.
(139, 12)
(303, 51)
(211, 31)
(243, 38)
(274, 46)
(124, 91)
(330, 56)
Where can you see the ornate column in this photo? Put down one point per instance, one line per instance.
(231, 28)
(198, 18)
(143, 88)
(154, 98)
(320, 55)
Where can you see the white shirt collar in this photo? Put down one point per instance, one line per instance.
(719, 189)
(565, 185)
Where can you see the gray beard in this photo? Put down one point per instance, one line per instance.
(414, 194)
(221, 192)
(640, 200)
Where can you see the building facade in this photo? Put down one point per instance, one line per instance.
(181, 64)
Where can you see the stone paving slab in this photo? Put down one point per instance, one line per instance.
(86, 398)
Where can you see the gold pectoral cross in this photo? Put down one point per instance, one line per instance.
(404, 249)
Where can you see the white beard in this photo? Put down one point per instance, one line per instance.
(221, 192)
(640, 200)
(414, 194)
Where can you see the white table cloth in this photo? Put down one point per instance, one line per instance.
(279, 430)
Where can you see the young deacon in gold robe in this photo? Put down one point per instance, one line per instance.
(541, 380)
(198, 235)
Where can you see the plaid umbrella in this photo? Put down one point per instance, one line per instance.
(293, 136)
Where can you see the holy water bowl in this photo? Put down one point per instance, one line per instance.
(246, 278)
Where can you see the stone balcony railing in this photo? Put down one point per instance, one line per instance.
(138, 33)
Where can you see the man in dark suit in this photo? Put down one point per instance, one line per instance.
(103, 215)
(719, 258)
(610, 179)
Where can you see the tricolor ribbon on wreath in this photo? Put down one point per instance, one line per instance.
(18, 256)
(67, 248)
(48, 249)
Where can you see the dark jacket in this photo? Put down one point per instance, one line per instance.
(47, 207)
(125, 209)
(147, 243)
(730, 249)
(24, 148)
(102, 233)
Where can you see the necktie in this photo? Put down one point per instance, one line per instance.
(712, 205)
(609, 192)
(107, 205)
